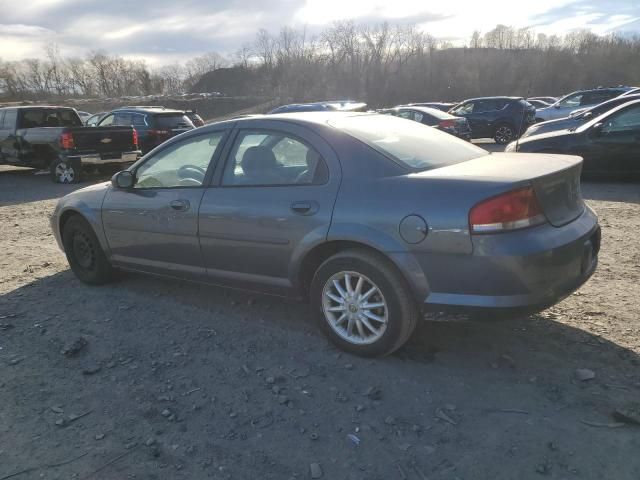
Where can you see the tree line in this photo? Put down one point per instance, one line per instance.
(382, 64)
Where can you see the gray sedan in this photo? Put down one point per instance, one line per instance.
(374, 219)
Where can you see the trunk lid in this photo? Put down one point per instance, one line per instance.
(555, 179)
(103, 140)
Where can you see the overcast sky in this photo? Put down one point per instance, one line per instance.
(168, 31)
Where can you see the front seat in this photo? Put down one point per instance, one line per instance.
(260, 167)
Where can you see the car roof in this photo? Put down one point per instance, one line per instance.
(492, 98)
(430, 111)
(152, 109)
(52, 107)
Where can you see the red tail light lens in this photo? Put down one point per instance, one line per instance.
(448, 124)
(506, 212)
(66, 140)
(135, 137)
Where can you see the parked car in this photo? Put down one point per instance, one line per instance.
(538, 103)
(154, 124)
(609, 143)
(93, 120)
(500, 118)
(334, 105)
(458, 126)
(54, 138)
(547, 100)
(445, 107)
(370, 217)
(194, 117)
(578, 117)
(579, 99)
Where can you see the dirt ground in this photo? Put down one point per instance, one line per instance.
(181, 381)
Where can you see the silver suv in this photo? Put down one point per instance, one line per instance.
(578, 100)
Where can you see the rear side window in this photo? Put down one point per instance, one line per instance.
(123, 119)
(1, 119)
(269, 158)
(172, 121)
(50, 118)
(412, 144)
(139, 120)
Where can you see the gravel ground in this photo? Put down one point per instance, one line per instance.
(155, 379)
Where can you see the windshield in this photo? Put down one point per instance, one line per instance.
(413, 144)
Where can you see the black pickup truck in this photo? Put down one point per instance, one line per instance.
(54, 138)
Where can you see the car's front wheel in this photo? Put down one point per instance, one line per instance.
(363, 303)
(84, 253)
(504, 134)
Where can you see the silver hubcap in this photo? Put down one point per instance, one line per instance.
(355, 308)
(504, 134)
(65, 173)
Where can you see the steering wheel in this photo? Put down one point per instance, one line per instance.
(192, 172)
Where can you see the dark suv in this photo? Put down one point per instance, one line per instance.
(153, 124)
(500, 118)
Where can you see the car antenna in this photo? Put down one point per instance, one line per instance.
(524, 111)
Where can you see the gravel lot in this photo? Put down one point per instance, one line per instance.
(185, 381)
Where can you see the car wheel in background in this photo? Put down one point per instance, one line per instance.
(84, 253)
(62, 171)
(504, 134)
(363, 303)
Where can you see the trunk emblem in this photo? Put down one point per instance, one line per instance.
(105, 140)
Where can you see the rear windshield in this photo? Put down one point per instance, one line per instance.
(172, 121)
(413, 144)
(49, 117)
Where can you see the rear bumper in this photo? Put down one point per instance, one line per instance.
(106, 159)
(530, 269)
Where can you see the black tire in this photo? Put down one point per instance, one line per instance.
(401, 309)
(504, 133)
(63, 171)
(84, 253)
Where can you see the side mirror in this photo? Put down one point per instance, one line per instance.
(556, 106)
(124, 179)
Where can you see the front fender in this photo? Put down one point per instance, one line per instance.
(88, 203)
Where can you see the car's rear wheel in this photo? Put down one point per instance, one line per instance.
(363, 303)
(84, 253)
(504, 134)
(62, 171)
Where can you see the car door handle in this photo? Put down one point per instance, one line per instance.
(180, 205)
(304, 207)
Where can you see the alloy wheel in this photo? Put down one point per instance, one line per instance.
(504, 135)
(64, 173)
(355, 308)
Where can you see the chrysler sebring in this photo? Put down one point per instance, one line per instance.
(373, 219)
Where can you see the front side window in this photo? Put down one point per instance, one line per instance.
(183, 164)
(415, 145)
(107, 121)
(626, 121)
(267, 158)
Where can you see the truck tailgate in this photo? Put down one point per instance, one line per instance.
(103, 140)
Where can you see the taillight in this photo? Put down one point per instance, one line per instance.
(506, 212)
(448, 123)
(66, 140)
(135, 137)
